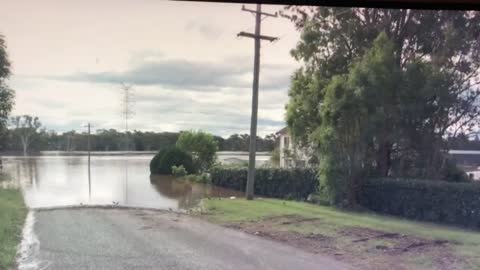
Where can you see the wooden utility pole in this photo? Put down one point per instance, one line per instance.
(256, 72)
(89, 155)
(88, 149)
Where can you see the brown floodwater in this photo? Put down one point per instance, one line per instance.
(52, 181)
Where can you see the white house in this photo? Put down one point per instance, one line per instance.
(290, 155)
(468, 161)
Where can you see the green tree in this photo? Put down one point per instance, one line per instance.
(438, 55)
(7, 95)
(25, 127)
(378, 110)
(201, 145)
(240, 142)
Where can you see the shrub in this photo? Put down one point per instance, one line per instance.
(271, 182)
(179, 171)
(319, 198)
(452, 173)
(163, 161)
(154, 163)
(201, 146)
(203, 178)
(427, 200)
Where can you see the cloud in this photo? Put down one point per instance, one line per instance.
(170, 95)
(207, 30)
(197, 75)
(221, 112)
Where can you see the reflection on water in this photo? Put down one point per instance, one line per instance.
(49, 181)
(188, 194)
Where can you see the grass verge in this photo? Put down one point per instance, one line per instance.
(347, 230)
(12, 217)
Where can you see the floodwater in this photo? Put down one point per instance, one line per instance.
(52, 181)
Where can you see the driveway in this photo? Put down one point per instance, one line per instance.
(93, 238)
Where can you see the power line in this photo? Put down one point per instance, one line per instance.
(256, 72)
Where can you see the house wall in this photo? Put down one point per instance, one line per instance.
(466, 159)
(283, 162)
(287, 144)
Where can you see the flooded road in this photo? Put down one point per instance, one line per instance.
(51, 181)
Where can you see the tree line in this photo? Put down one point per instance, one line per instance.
(464, 142)
(26, 135)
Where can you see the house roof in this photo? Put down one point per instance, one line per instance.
(282, 131)
(464, 152)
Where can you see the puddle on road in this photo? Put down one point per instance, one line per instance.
(52, 181)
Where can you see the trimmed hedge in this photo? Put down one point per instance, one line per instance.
(271, 182)
(426, 200)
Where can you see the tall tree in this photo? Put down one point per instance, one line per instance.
(378, 110)
(201, 146)
(25, 127)
(442, 45)
(357, 108)
(7, 95)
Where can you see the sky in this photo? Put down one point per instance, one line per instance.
(188, 68)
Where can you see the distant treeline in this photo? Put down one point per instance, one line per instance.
(113, 140)
(462, 142)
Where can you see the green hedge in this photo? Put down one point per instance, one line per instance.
(427, 200)
(270, 182)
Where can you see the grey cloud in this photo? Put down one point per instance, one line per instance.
(213, 96)
(229, 128)
(198, 115)
(71, 125)
(173, 73)
(209, 31)
(182, 74)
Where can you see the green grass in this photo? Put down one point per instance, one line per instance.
(12, 217)
(332, 219)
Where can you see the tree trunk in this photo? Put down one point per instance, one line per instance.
(24, 140)
(384, 159)
(24, 149)
(353, 190)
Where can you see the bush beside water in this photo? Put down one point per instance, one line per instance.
(179, 171)
(203, 178)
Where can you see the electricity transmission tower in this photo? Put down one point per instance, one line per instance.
(256, 71)
(127, 113)
(127, 108)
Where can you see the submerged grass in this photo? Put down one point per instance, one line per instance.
(12, 217)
